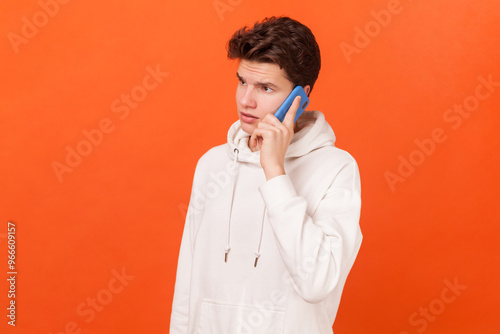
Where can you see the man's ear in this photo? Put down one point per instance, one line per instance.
(307, 89)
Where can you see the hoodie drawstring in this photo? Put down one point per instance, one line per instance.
(228, 246)
(257, 254)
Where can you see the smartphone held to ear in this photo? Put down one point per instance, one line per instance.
(304, 102)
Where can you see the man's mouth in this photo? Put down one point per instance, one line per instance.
(248, 115)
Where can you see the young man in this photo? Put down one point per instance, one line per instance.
(272, 227)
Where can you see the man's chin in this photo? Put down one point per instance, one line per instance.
(247, 131)
(247, 128)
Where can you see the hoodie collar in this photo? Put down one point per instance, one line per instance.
(314, 133)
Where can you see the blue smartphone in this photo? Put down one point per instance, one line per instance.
(304, 102)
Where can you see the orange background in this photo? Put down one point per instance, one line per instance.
(122, 207)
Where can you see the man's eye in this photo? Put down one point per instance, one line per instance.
(242, 82)
(267, 89)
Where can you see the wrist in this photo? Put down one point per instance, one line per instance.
(274, 171)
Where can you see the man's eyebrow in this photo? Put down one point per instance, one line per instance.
(258, 83)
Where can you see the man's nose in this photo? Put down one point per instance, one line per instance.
(248, 100)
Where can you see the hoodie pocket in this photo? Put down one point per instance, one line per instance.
(223, 318)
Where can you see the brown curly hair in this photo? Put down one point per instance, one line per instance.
(282, 41)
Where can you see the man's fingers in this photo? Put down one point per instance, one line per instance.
(264, 130)
(290, 115)
(253, 139)
(256, 134)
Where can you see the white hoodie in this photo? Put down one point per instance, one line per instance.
(270, 256)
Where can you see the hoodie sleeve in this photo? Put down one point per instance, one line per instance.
(318, 250)
(179, 318)
(180, 303)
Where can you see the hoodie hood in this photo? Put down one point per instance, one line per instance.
(314, 133)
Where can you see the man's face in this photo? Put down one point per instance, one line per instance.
(262, 88)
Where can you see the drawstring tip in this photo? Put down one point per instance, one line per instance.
(257, 255)
(226, 250)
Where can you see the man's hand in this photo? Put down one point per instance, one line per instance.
(273, 138)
